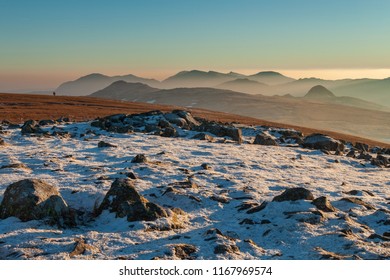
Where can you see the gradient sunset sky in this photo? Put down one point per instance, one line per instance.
(44, 43)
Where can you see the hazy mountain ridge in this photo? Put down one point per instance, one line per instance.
(270, 83)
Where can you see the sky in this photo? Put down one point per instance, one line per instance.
(44, 43)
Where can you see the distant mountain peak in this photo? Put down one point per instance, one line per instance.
(319, 91)
(268, 73)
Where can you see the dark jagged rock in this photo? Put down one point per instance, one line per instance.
(141, 158)
(47, 122)
(203, 136)
(362, 147)
(381, 161)
(31, 127)
(103, 144)
(323, 204)
(125, 201)
(32, 199)
(257, 208)
(294, 194)
(322, 142)
(265, 139)
(184, 251)
(2, 142)
(365, 156)
(188, 117)
(358, 201)
(226, 248)
(221, 130)
(175, 119)
(351, 153)
(169, 132)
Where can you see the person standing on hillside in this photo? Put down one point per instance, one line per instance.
(54, 93)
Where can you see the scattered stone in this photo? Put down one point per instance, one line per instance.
(323, 204)
(358, 201)
(14, 165)
(221, 130)
(169, 132)
(103, 144)
(381, 161)
(247, 222)
(257, 208)
(205, 166)
(247, 205)
(2, 142)
(226, 248)
(365, 156)
(33, 199)
(362, 147)
(46, 122)
(351, 153)
(30, 127)
(140, 158)
(265, 138)
(219, 198)
(184, 251)
(322, 142)
(327, 255)
(203, 136)
(191, 122)
(294, 194)
(131, 175)
(125, 201)
(81, 247)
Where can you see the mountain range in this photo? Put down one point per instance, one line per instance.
(265, 83)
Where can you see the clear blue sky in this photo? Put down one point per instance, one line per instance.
(45, 42)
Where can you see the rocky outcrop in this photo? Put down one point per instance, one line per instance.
(294, 194)
(323, 204)
(322, 142)
(123, 200)
(32, 199)
(31, 127)
(265, 138)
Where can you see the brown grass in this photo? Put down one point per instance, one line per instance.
(21, 107)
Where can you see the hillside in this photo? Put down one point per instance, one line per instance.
(18, 108)
(146, 186)
(244, 85)
(333, 116)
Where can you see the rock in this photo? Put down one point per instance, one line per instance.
(322, 142)
(169, 132)
(203, 136)
(14, 165)
(125, 201)
(81, 247)
(164, 123)
(365, 156)
(205, 166)
(219, 198)
(362, 147)
(46, 122)
(226, 248)
(358, 201)
(381, 161)
(140, 158)
(2, 142)
(294, 194)
(184, 251)
(351, 153)
(323, 204)
(191, 122)
(103, 144)
(257, 208)
(175, 119)
(33, 199)
(131, 175)
(265, 139)
(30, 127)
(221, 130)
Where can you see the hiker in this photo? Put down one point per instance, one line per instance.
(54, 93)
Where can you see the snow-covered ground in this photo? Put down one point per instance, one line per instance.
(238, 177)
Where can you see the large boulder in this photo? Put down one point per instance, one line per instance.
(188, 117)
(33, 199)
(322, 142)
(221, 130)
(125, 201)
(294, 194)
(31, 127)
(265, 138)
(176, 119)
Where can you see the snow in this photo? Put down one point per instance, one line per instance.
(241, 173)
